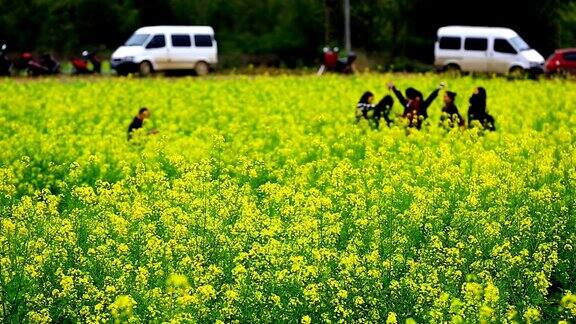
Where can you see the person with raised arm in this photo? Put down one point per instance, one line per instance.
(415, 107)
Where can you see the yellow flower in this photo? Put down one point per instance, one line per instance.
(342, 294)
(122, 307)
(232, 295)
(43, 316)
(391, 319)
(123, 248)
(67, 284)
(207, 292)
(177, 281)
(568, 302)
(511, 313)
(532, 314)
(7, 225)
(486, 311)
(491, 293)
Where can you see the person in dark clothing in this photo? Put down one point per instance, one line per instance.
(138, 121)
(477, 110)
(364, 106)
(382, 110)
(411, 102)
(450, 115)
(415, 107)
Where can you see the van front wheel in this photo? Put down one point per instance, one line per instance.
(146, 68)
(202, 68)
(516, 72)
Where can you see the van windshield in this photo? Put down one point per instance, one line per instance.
(519, 44)
(137, 40)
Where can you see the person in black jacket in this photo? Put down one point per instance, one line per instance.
(415, 107)
(382, 110)
(364, 106)
(138, 121)
(477, 110)
(450, 115)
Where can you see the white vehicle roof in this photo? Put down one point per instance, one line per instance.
(476, 31)
(176, 29)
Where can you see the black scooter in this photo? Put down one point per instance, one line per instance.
(346, 65)
(46, 65)
(5, 63)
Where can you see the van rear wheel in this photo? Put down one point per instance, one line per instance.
(202, 68)
(452, 69)
(145, 68)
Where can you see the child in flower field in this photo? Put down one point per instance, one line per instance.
(138, 121)
(415, 107)
(477, 110)
(450, 115)
(364, 106)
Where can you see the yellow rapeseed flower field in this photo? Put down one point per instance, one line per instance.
(260, 200)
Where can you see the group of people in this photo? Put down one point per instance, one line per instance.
(416, 109)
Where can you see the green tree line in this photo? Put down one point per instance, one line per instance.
(274, 32)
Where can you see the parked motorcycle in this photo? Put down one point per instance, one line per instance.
(46, 65)
(332, 63)
(329, 60)
(80, 65)
(5, 63)
(21, 62)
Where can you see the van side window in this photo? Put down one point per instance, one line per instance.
(503, 46)
(570, 56)
(158, 41)
(476, 44)
(181, 40)
(203, 40)
(450, 43)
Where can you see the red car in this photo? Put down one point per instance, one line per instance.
(562, 61)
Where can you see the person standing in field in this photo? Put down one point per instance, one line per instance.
(450, 115)
(138, 121)
(415, 107)
(477, 111)
(364, 106)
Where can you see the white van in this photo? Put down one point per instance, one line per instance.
(164, 48)
(485, 49)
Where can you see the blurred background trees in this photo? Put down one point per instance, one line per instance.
(282, 32)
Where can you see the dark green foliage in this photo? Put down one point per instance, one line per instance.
(281, 32)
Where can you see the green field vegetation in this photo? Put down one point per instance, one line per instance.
(260, 200)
